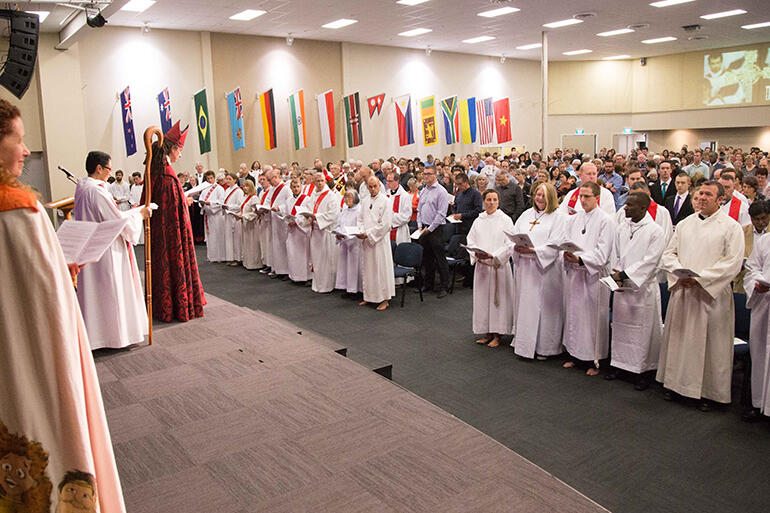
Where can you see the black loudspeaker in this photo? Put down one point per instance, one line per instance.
(19, 65)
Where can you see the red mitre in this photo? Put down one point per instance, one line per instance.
(176, 136)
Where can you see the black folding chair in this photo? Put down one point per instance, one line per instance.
(407, 260)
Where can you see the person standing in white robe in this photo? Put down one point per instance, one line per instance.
(587, 302)
(252, 259)
(298, 241)
(374, 222)
(211, 201)
(493, 280)
(696, 357)
(110, 290)
(538, 281)
(231, 208)
(325, 209)
(637, 328)
(349, 277)
(735, 205)
(135, 192)
(121, 191)
(265, 229)
(572, 203)
(278, 228)
(756, 283)
(401, 205)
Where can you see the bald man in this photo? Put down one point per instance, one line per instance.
(374, 220)
(571, 203)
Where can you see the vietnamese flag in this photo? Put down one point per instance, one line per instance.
(503, 120)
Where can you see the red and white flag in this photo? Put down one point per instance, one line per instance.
(326, 117)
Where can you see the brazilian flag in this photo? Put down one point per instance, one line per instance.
(204, 129)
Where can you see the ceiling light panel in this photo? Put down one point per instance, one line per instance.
(138, 5)
(415, 32)
(343, 22)
(247, 15)
(724, 14)
(659, 40)
(667, 3)
(615, 32)
(578, 52)
(411, 2)
(530, 46)
(498, 12)
(563, 23)
(479, 39)
(756, 25)
(616, 57)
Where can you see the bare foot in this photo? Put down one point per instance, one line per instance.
(362, 303)
(592, 372)
(382, 306)
(494, 343)
(484, 340)
(568, 365)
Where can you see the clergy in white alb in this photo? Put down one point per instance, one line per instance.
(401, 205)
(135, 192)
(263, 222)
(110, 290)
(231, 209)
(572, 202)
(325, 209)
(121, 191)
(349, 274)
(637, 327)
(211, 201)
(734, 204)
(298, 241)
(249, 236)
(279, 196)
(586, 323)
(374, 223)
(492, 279)
(757, 285)
(696, 357)
(538, 283)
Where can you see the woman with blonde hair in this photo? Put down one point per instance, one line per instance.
(538, 304)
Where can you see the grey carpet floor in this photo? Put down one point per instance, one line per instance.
(244, 412)
(629, 451)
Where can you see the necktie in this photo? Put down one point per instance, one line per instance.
(676, 205)
(663, 188)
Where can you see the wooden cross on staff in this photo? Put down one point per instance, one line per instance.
(153, 130)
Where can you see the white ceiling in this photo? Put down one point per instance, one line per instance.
(454, 20)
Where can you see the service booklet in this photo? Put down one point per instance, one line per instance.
(84, 242)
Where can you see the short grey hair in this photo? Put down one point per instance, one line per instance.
(353, 193)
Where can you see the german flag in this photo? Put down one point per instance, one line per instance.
(268, 118)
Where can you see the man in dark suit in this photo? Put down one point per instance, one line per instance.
(680, 204)
(664, 188)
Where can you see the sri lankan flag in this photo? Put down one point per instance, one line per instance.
(353, 121)
(267, 106)
(451, 119)
(428, 115)
(202, 111)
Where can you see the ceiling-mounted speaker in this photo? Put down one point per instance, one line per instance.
(19, 66)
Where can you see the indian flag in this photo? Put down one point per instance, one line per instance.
(297, 114)
(326, 117)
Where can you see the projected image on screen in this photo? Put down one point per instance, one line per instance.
(727, 77)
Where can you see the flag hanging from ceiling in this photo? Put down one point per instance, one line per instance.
(326, 117)
(235, 106)
(468, 120)
(297, 116)
(451, 119)
(128, 122)
(428, 116)
(404, 120)
(267, 106)
(353, 121)
(486, 120)
(164, 105)
(202, 111)
(503, 121)
(375, 104)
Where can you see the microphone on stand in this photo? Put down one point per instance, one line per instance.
(70, 176)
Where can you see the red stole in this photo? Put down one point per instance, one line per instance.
(573, 199)
(318, 201)
(231, 193)
(396, 204)
(735, 208)
(208, 193)
(246, 201)
(276, 193)
(300, 199)
(653, 210)
(264, 197)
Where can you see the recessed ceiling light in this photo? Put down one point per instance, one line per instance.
(578, 52)
(563, 23)
(658, 40)
(530, 46)
(411, 2)
(756, 25)
(666, 3)
(479, 39)
(138, 5)
(615, 32)
(247, 15)
(723, 14)
(42, 15)
(498, 12)
(415, 32)
(343, 22)
(616, 57)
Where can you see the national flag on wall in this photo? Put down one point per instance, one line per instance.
(326, 117)
(297, 117)
(451, 119)
(428, 116)
(503, 121)
(486, 120)
(353, 121)
(164, 106)
(127, 116)
(235, 106)
(375, 104)
(202, 111)
(468, 120)
(404, 120)
(267, 106)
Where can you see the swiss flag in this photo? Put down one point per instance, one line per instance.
(375, 104)
(502, 120)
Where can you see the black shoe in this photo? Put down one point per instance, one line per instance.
(612, 375)
(441, 293)
(272, 275)
(642, 384)
(669, 395)
(264, 270)
(705, 405)
(284, 277)
(752, 415)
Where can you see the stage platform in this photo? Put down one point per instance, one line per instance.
(242, 411)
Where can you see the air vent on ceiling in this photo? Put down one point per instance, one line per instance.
(639, 26)
(691, 28)
(499, 2)
(584, 15)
